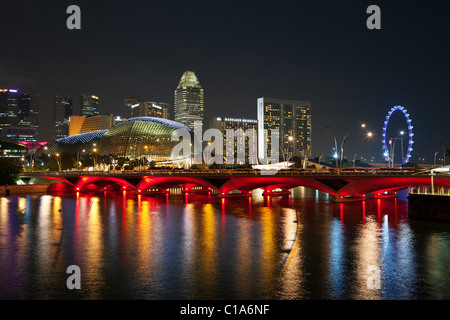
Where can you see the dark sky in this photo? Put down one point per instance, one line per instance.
(241, 50)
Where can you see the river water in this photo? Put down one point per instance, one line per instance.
(196, 246)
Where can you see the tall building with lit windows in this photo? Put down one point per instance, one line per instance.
(19, 115)
(189, 100)
(248, 147)
(141, 108)
(9, 108)
(293, 120)
(62, 110)
(89, 105)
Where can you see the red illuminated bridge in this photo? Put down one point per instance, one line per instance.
(348, 185)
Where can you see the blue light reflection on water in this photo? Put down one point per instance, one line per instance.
(200, 247)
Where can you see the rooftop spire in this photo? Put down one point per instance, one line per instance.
(189, 79)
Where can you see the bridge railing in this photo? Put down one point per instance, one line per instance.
(220, 172)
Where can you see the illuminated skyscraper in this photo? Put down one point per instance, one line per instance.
(34, 112)
(141, 108)
(189, 100)
(9, 107)
(89, 105)
(61, 114)
(19, 115)
(293, 120)
(248, 147)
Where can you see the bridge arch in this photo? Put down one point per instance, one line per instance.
(167, 182)
(248, 184)
(83, 182)
(371, 185)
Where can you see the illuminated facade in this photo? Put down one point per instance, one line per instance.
(248, 147)
(19, 115)
(140, 108)
(61, 113)
(147, 137)
(189, 100)
(20, 133)
(293, 120)
(9, 107)
(89, 105)
(141, 137)
(81, 124)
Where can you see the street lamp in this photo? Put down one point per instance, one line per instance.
(290, 139)
(58, 160)
(354, 159)
(94, 156)
(335, 148)
(78, 158)
(345, 137)
(320, 157)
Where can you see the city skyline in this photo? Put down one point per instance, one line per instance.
(351, 74)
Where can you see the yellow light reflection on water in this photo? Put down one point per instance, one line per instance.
(94, 248)
(208, 234)
(368, 255)
(269, 254)
(292, 275)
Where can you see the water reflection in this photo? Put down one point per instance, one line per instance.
(298, 246)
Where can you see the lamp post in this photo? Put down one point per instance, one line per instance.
(354, 159)
(94, 157)
(401, 145)
(146, 155)
(78, 157)
(58, 160)
(345, 137)
(443, 154)
(335, 148)
(290, 139)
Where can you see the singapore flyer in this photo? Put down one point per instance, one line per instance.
(389, 152)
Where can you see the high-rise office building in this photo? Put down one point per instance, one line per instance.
(140, 108)
(19, 115)
(165, 109)
(248, 146)
(62, 111)
(293, 120)
(34, 112)
(189, 100)
(24, 110)
(89, 105)
(9, 108)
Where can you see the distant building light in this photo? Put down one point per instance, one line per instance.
(13, 90)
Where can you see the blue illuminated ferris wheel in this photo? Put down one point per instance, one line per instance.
(389, 155)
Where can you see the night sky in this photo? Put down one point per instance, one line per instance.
(320, 51)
